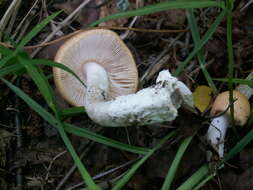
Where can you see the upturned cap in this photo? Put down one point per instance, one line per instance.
(241, 106)
(100, 46)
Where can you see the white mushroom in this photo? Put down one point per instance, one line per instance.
(101, 59)
(218, 127)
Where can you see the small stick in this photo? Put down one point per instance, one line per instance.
(61, 25)
(5, 19)
(105, 173)
(19, 176)
(72, 169)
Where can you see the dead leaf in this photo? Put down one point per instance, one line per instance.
(109, 9)
(87, 15)
(202, 97)
(175, 17)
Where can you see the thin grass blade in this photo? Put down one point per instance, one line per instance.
(202, 42)
(58, 65)
(191, 182)
(73, 111)
(5, 51)
(163, 6)
(28, 38)
(82, 132)
(196, 38)
(12, 69)
(136, 166)
(174, 165)
(83, 171)
(236, 81)
(40, 81)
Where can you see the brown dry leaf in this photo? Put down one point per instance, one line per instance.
(87, 15)
(109, 9)
(49, 51)
(202, 97)
(175, 17)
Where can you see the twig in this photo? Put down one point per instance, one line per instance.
(159, 57)
(69, 173)
(51, 163)
(5, 19)
(126, 34)
(13, 17)
(19, 176)
(21, 24)
(62, 24)
(104, 173)
(247, 4)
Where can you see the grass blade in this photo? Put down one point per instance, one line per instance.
(237, 81)
(83, 171)
(174, 165)
(196, 38)
(55, 64)
(134, 168)
(40, 81)
(163, 6)
(202, 42)
(203, 182)
(104, 140)
(10, 69)
(5, 51)
(194, 179)
(28, 38)
(73, 111)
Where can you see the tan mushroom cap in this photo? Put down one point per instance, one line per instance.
(241, 106)
(103, 47)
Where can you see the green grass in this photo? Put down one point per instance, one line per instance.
(16, 62)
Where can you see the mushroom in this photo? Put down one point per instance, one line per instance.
(218, 127)
(105, 64)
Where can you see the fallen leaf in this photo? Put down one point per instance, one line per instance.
(87, 15)
(109, 9)
(202, 97)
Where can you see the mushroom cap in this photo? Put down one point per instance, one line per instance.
(241, 106)
(103, 47)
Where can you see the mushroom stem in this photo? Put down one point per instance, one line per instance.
(151, 105)
(216, 134)
(96, 76)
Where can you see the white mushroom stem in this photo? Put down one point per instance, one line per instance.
(216, 134)
(151, 105)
